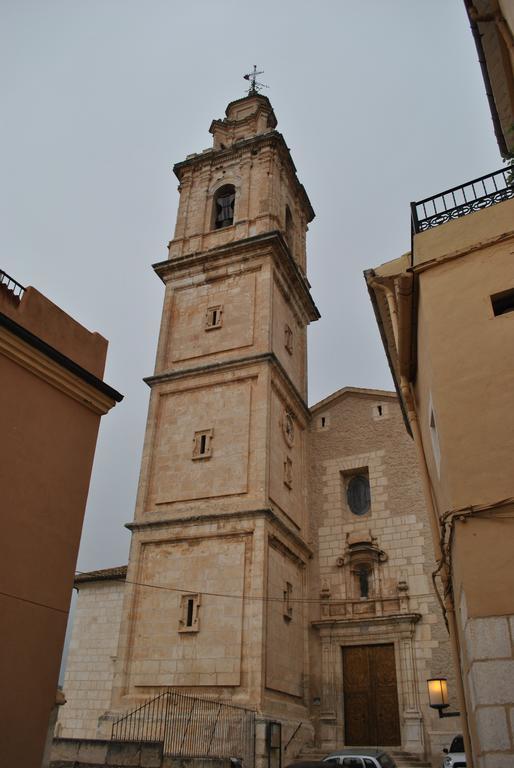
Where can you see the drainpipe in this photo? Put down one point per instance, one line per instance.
(401, 333)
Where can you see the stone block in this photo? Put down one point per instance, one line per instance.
(492, 728)
(65, 749)
(488, 638)
(498, 760)
(124, 754)
(151, 755)
(493, 682)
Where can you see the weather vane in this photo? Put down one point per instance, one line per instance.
(254, 85)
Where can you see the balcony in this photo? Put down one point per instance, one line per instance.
(11, 288)
(460, 201)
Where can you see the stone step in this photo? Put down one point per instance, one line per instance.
(80, 764)
(407, 760)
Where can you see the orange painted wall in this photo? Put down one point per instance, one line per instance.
(46, 455)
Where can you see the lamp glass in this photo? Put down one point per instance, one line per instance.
(438, 692)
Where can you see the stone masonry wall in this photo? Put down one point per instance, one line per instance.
(93, 648)
(488, 662)
(350, 434)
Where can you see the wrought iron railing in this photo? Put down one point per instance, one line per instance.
(462, 200)
(189, 726)
(293, 734)
(15, 288)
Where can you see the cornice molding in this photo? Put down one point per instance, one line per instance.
(227, 365)
(41, 365)
(266, 513)
(393, 619)
(248, 248)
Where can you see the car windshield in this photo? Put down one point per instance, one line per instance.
(386, 761)
(457, 744)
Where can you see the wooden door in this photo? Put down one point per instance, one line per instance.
(370, 696)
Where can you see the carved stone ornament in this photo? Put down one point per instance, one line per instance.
(361, 550)
(288, 428)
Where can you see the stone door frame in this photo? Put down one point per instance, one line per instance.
(397, 630)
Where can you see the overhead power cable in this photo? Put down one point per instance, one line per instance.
(260, 598)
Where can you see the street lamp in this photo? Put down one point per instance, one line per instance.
(438, 696)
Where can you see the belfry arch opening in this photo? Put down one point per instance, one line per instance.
(223, 206)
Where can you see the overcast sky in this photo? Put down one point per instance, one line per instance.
(380, 101)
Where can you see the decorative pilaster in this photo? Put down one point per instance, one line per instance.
(412, 731)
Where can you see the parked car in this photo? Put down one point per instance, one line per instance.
(360, 758)
(455, 755)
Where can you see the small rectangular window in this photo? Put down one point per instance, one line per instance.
(202, 444)
(380, 411)
(323, 421)
(189, 609)
(503, 302)
(213, 317)
(288, 339)
(288, 472)
(288, 606)
(189, 617)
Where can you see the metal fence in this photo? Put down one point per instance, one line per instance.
(189, 726)
(462, 200)
(14, 288)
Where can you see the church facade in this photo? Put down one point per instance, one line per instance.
(280, 555)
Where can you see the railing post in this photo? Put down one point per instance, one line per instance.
(166, 720)
(414, 218)
(214, 728)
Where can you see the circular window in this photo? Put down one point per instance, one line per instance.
(358, 494)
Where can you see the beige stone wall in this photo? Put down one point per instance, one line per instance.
(285, 315)
(192, 338)
(91, 658)
(285, 622)
(241, 289)
(231, 563)
(488, 666)
(256, 209)
(164, 652)
(463, 358)
(465, 379)
(223, 409)
(231, 404)
(262, 192)
(484, 582)
(355, 437)
(289, 497)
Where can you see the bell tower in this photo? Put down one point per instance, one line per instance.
(221, 536)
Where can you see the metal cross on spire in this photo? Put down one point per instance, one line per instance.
(254, 85)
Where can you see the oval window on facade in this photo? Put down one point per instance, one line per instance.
(358, 494)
